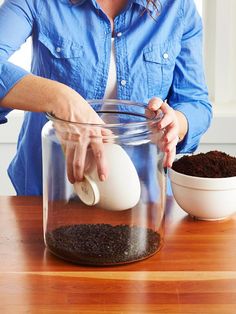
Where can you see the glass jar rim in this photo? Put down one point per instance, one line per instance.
(156, 116)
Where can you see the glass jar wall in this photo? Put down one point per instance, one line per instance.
(116, 221)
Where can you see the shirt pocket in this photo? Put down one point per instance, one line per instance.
(159, 63)
(63, 58)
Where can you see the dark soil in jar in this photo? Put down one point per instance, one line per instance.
(214, 164)
(102, 244)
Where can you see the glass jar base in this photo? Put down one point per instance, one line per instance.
(103, 244)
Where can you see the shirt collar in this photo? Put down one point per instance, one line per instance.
(143, 4)
(79, 2)
(139, 2)
(73, 2)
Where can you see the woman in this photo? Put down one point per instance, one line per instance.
(158, 57)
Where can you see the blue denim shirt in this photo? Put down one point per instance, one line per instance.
(159, 56)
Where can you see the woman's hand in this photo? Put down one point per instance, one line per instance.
(83, 148)
(174, 125)
(82, 144)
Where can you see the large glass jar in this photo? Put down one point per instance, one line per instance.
(116, 221)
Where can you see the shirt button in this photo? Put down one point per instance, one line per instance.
(119, 34)
(123, 82)
(165, 55)
(58, 49)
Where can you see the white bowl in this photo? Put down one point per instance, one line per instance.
(120, 191)
(204, 198)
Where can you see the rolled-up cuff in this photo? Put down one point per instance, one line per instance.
(198, 122)
(10, 74)
(3, 113)
(3, 120)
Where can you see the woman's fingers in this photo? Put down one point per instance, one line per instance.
(83, 150)
(170, 126)
(170, 135)
(79, 159)
(98, 150)
(69, 157)
(169, 158)
(100, 159)
(170, 152)
(155, 104)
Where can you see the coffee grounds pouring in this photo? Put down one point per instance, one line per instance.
(214, 164)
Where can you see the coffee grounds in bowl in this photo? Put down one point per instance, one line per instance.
(102, 244)
(214, 164)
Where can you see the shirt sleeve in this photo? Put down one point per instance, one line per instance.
(188, 92)
(16, 24)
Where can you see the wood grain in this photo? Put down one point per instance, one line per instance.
(195, 271)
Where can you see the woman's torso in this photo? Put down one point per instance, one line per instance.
(72, 45)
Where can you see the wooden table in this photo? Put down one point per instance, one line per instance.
(195, 272)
